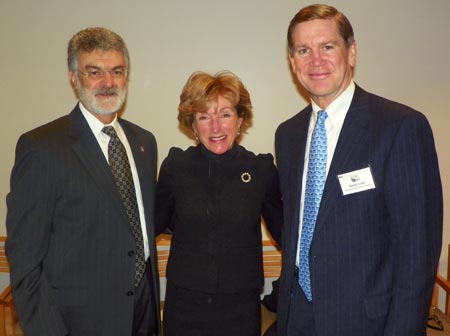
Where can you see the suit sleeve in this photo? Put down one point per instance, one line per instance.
(29, 223)
(272, 210)
(415, 210)
(165, 201)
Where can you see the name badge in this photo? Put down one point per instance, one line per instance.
(356, 181)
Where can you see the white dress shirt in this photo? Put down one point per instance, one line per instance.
(336, 111)
(103, 140)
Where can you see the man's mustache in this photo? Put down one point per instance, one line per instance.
(107, 91)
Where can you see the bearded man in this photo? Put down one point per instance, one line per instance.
(80, 235)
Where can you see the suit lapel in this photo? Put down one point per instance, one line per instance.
(138, 149)
(139, 152)
(350, 153)
(141, 156)
(87, 149)
(296, 144)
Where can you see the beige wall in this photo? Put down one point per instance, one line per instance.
(403, 54)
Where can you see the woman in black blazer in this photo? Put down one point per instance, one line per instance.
(211, 197)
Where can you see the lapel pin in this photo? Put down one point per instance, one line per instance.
(142, 149)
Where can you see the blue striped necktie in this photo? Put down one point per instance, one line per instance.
(315, 181)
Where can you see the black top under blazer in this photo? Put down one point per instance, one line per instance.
(215, 217)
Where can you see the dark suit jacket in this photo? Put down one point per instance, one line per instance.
(216, 217)
(69, 244)
(374, 253)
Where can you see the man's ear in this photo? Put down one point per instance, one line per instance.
(292, 62)
(72, 78)
(352, 54)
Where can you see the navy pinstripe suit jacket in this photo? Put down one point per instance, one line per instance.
(374, 253)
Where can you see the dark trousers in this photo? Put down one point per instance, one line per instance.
(301, 317)
(145, 322)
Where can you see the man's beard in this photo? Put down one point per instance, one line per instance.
(93, 105)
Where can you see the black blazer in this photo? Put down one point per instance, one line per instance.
(69, 240)
(374, 253)
(213, 205)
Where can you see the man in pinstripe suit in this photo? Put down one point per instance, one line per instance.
(377, 237)
(70, 244)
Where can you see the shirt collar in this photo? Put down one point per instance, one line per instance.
(95, 124)
(337, 110)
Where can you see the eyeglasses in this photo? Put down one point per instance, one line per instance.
(98, 74)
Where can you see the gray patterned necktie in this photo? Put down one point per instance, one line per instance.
(120, 167)
(315, 181)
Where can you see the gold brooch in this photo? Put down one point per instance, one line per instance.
(246, 177)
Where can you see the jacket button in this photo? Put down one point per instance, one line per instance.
(130, 293)
(130, 253)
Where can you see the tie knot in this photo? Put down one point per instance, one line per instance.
(110, 131)
(322, 115)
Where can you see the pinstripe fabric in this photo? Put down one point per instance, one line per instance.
(374, 253)
(68, 234)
